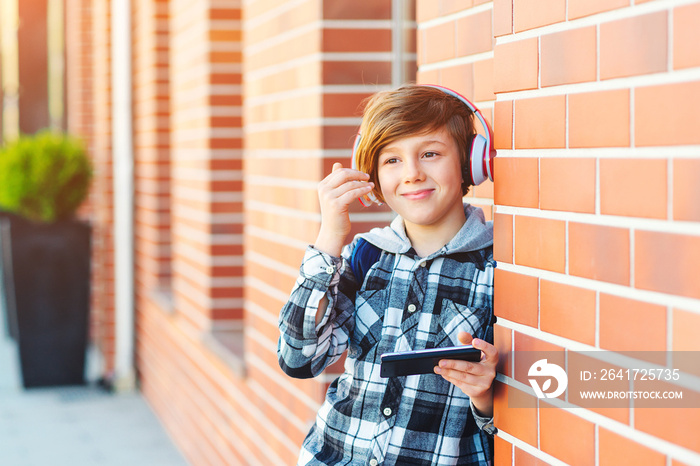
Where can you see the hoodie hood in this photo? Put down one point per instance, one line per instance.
(475, 234)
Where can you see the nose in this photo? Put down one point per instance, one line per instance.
(413, 171)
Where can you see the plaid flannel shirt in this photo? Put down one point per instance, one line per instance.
(405, 303)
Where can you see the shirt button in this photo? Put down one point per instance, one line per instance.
(330, 270)
(423, 264)
(373, 462)
(387, 411)
(411, 308)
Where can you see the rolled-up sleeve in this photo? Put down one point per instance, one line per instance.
(304, 348)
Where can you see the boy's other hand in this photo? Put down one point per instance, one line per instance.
(335, 193)
(475, 379)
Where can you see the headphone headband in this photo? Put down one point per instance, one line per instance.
(490, 152)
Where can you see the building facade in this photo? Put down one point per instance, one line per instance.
(214, 120)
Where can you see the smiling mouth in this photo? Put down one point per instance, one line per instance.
(417, 195)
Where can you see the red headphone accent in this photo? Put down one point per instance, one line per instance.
(479, 165)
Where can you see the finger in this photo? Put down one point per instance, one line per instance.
(353, 193)
(340, 176)
(465, 338)
(453, 366)
(346, 193)
(490, 352)
(468, 383)
(478, 375)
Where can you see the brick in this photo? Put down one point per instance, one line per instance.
(517, 182)
(503, 341)
(523, 458)
(634, 46)
(616, 450)
(426, 10)
(527, 350)
(677, 104)
(567, 184)
(631, 325)
(667, 263)
(380, 9)
(520, 422)
(337, 137)
(540, 243)
(685, 36)
(685, 326)
(502, 17)
(503, 452)
(428, 77)
(516, 297)
(448, 7)
(460, 78)
(353, 72)
(599, 119)
(568, 57)
(483, 80)
(309, 169)
(438, 43)
(540, 123)
(685, 343)
(677, 425)
(516, 65)
(568, 311)
(530, 14)
(503, 238)
(599, 253)
(343, 105)
(581, 8)
(633, 188)
(473, 34)
(558, 427)
(503, 125)
(678, 463)
(686, 190)
(356, 40)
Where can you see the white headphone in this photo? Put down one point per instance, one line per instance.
(478, 168)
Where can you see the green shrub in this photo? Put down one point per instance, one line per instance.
(44, 177)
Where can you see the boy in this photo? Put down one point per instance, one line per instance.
(432, 286)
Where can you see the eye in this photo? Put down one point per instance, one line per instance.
(389, 160)
(430, 154)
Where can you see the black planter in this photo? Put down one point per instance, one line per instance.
(50, 274)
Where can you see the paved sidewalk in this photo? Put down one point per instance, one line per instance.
(76, 426)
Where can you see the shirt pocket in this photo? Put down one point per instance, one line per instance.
(369, 320)
(456, 318)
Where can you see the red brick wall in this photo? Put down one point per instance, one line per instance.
(596, 170)
(151, 126)
(101, 197)
(79, 74)
(240, 109)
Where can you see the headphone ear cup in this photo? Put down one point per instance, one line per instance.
(478, 159)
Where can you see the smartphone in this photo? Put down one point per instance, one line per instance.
(423, 361)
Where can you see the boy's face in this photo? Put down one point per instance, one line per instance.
(421, 179)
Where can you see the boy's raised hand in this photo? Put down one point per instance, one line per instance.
(475, 379)
(335, 193)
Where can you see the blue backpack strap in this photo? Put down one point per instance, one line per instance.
(363, 257)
